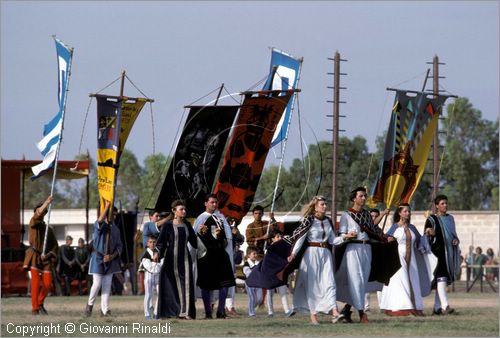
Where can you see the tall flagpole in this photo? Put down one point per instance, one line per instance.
(57, 153)
(283, 152)
(117, 142)
(284, 144)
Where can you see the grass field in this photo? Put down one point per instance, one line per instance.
(478, 316)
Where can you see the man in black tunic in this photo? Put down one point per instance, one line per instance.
(215, 271)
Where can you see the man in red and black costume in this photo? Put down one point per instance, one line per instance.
(40, 264)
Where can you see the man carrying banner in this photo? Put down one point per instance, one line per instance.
(444, 245)
(38, 262)
(356, 261)
(105, 260)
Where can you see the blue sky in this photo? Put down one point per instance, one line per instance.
(176, 52)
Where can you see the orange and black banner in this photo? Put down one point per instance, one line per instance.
(247, 151)
(191, 173)
(115, 119)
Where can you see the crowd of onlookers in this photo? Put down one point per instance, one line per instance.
(478, 264)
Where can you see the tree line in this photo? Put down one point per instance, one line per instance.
(468, 172)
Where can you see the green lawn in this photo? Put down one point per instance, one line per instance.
(478, 316)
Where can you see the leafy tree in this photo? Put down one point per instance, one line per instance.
(296, 185)
(74, 191)
(155, 170)
(265, 189)
(128, 182)
(37, 191)
(312, 177)
(357, 167)
(469, 175)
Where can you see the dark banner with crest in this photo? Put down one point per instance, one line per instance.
(191, 173)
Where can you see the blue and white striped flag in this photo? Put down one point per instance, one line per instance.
(52, 131)
(284, 74)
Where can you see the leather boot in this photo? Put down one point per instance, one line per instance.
(88, 310)
(346, 311)
(363, 318)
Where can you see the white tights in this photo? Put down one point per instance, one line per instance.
(441, 299)
(104, 282)
(282, 290)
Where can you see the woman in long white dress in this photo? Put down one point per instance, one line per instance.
(315, 289)
(403, 295)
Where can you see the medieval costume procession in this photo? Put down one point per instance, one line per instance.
(216, 235)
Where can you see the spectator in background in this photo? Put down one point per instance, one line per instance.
(150, 228)
(479, 259)
(66, 265)
(491, 260)
(238, 255)
(82, 258)
(469, 260)
(495, 269)
(459, 271)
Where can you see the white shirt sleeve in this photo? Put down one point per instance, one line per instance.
(335, 240)
(147, 264)
(299, 244)
(344, 223)
(199, 221)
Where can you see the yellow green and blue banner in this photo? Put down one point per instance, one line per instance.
(414, 119)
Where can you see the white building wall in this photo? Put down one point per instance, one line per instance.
(477, 228)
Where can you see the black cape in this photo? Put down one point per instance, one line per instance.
(270, 273)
